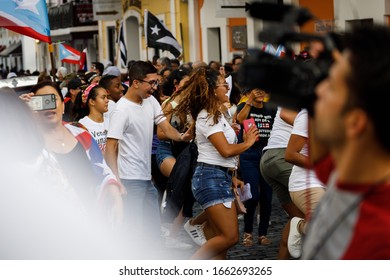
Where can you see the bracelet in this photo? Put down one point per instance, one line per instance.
(250, 104)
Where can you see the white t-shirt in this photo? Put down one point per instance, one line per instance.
(280, 133)
(111, 108)
(205, 127)
(97, 130)
(132, 124)
(302, 178)
(64, 91)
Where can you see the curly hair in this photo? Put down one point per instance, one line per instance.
(199, 94)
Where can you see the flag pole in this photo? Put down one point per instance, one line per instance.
(51, 52)
(146, 32)
(117, 43)
(181, 56)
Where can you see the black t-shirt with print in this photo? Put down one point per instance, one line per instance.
(264, 119)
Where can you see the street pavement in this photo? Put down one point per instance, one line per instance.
(239, 252)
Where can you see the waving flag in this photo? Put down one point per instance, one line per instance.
(158, 36)
(85, 61)
(69, 54)
(280, 51)
(122, 47)
(27, 17)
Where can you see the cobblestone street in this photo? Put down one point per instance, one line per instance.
(239, 252)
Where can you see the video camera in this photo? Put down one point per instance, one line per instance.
(290, 82)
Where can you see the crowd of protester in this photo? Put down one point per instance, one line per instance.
(109, 150)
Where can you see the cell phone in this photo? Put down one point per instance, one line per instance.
(43, 102)
(248, 123)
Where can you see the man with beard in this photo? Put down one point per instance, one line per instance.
(129, 146)
(350, 119)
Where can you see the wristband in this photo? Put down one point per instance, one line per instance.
(250, 104)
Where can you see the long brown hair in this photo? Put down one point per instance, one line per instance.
(198, 94)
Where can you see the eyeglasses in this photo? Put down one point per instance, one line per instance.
(152, 83)
(226, 85)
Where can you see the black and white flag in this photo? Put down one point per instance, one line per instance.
(158, 36)
(122, 47)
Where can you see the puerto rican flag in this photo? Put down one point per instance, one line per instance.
(69, 54)
(27, 17)
(85, 61)
(279, 51)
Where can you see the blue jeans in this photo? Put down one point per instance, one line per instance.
(211, 186)
(164, 150)
(141, 211)
(261, 191)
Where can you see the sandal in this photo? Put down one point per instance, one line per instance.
(247, 240)
(263, 240)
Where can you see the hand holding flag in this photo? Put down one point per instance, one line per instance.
(158, 36)
(27, 17)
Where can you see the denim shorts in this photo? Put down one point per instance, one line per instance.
(164, 150)
(211, 186)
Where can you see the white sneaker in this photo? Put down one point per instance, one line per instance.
(294, 238)
(196, 233)
(176, 244)
(163, 202)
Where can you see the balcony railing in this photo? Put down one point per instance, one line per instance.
(71, 14)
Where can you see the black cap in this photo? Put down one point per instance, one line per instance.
(74, 83)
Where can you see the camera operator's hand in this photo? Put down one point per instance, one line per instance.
(251, 136)
(26, 97)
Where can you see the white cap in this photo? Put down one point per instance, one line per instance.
(112, 70)
(11, 75)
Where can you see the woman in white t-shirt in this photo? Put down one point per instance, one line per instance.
(217, 144)
(306, 190)
(94, 121)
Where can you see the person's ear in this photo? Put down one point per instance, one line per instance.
(91, 102)
(356, 122)
(135, 83)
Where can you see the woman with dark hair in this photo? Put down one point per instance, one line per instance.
(217, 145)
(168, 150)
(42, 217)
(263, 115)
(94, 121)
(165, 155)
(164, 73)
(85, 172)
(74, 88)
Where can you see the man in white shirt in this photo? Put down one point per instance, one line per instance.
(129, 146)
